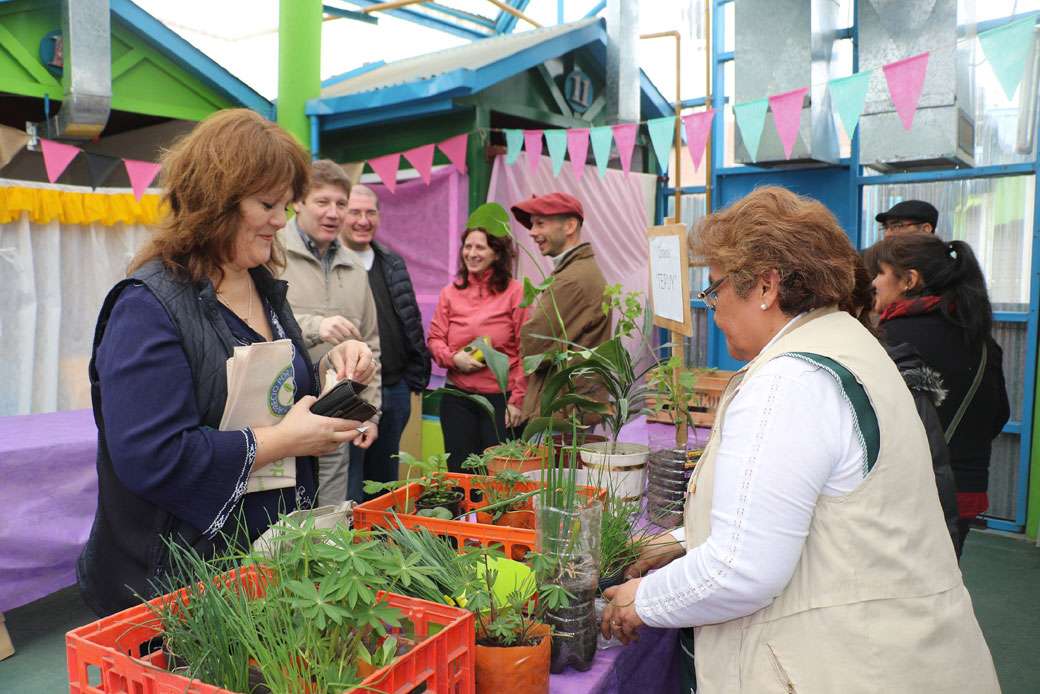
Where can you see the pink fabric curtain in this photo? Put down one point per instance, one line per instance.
(423, 225)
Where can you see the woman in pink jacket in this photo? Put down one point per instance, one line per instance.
(483, 301)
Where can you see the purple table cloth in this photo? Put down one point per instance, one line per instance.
(648, 665)
(47, 500)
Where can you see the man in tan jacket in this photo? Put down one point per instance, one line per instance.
(555, 222)
(330, 296)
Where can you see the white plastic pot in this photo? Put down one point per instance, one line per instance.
(617, 467)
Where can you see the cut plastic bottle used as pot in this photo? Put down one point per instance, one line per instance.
(570, 539)
(668, 477)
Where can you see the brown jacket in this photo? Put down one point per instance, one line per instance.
(578, 293)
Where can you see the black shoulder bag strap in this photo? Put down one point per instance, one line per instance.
(968, 396)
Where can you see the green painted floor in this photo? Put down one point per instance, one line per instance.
(1002, 573)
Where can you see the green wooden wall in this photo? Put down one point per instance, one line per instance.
(143, 79)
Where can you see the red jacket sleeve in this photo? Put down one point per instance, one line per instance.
(437, 340)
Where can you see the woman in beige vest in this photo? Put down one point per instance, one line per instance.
(814, 556)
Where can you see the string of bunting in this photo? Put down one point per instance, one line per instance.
(57, 156)
(1006, 48)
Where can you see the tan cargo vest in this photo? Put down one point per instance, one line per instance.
(876, 602)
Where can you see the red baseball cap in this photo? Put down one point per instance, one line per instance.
(549, 205)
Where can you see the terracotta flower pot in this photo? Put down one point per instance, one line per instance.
(515, 669)
(517, 519)
(535, 461)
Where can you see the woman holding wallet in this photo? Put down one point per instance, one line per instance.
(201, 292)
(482, 302)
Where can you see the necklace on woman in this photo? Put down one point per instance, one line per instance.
(249, 310)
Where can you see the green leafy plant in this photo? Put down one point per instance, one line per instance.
(431, 474)
(673, 386)
(318, 611)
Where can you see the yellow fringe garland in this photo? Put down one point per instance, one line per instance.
(44, 205)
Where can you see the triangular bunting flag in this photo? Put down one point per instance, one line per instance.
(514, 142)
(12, 141)
(1006, 48)
(698, 130)
(751, 119)
(99, 167)
(905, 80)
(422, 159)
(386, 169)
(848, 95)
(601, 138)
(787, 116)
(533, 146)
(625, 138)
(578, 148)
(557, 141)
(141, 174)
(57, 157)
(662, 132)
(454, 149)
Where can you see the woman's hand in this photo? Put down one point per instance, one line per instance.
(301, 432)
(465, 363)
(653, 555)
(620, 618)
(352, 359)
(514, 417)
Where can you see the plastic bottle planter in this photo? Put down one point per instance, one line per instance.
(622, 466)
(668, 477)
(570, 538)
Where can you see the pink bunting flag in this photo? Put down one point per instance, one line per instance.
(905, 80)
(787, 116)
(141, 175)
(422, 159)
(386, 169)
(533, 145)
(698, 129)
(454, 149)
(625, 138)
(578, 148)
(57, 157)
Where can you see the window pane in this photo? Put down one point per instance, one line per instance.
(994, 215)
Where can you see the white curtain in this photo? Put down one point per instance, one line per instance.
(53, 278)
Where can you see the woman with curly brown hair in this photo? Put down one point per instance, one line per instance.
(483, 301)
(814, 556)
(200, 292)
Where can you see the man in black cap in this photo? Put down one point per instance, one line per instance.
(555, 222)
(909, 217)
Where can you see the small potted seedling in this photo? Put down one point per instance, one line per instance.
(440, 498)
(521, 456)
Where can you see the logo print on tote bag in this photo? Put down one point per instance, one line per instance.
(280, 394)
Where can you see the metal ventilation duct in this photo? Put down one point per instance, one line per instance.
(87, 78)
(623, 89)
(943, 134)
(783, 45)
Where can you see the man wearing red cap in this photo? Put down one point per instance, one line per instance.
(555, 223)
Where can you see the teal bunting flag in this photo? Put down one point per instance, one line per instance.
(751, 119)
(848, 95)
(514, 143)
(1006, 48)
(557, 140)
(601, 139)
(662, 133)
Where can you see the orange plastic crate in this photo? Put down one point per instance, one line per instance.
(105, 656)
(515, 542)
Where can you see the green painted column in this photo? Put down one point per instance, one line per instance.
(299, 64)
(477, 165)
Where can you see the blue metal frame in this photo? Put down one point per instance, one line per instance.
(190, 58)
(597, 8)
(857, 180)
(506, 23)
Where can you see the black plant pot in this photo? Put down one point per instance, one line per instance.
(451, 500)
(614, 579)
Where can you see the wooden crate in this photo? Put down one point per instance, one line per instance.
(707, 392)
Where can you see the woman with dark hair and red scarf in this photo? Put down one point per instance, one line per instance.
(931, 294)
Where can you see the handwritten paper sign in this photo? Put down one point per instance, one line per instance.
(670, 278)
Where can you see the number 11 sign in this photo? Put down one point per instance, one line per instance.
(670, 278)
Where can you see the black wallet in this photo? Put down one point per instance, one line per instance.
(344, 402)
